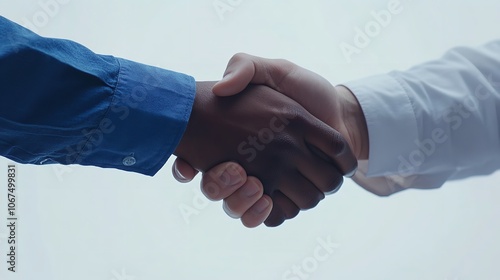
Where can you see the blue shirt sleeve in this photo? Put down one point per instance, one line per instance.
(62, 103)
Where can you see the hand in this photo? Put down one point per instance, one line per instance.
(297, 157)
(299, 84)
(336, 106)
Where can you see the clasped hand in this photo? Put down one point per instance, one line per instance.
(258, 145)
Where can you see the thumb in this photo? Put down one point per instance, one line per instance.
(239, 73)
(183, 171)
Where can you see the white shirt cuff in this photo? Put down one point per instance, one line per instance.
(392, 125)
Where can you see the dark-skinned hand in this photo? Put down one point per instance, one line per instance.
(297, 157)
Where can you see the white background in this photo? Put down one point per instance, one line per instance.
(90, 223)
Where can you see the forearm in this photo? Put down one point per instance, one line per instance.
(62, 103)
(456, 101)
(434, 122)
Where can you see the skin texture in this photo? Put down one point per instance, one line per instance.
(295, 156)
(316, 94)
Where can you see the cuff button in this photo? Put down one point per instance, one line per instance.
(129, 161)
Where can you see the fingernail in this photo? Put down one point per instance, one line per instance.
(227, 76)
(250, 190)
(179, 176)
(230, 212)
(231, 176)
(334, 190)
(261, 206)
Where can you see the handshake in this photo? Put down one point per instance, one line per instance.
(271, 139)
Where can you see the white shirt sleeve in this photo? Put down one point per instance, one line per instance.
(434, 122)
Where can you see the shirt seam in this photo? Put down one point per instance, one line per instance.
(406, 90)
(78, 158)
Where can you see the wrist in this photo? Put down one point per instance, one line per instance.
(186, 143)
(355, 123)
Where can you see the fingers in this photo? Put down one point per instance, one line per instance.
(300, 190)
(258, 213)
(323, 174)
(239, 73)
(243, 196)
(283, 209)
(249, 203)
(329, 144)
(183, 171)
(244, 69)
(223, 180)
(242, 199)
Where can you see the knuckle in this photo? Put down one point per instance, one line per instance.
(274, 221)
(312, 201)
(334, 186)
(295, 113)
(284, 64)
(239, 56)
(338, 144)
(292, 213)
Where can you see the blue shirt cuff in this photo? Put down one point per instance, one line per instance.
(145, 121)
